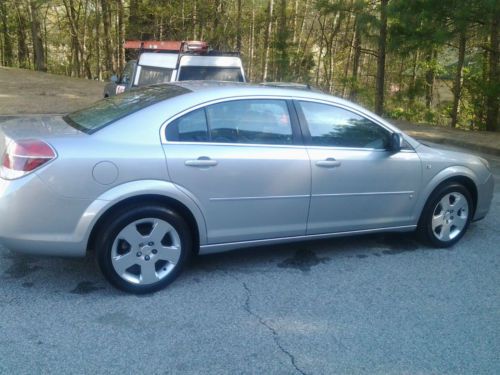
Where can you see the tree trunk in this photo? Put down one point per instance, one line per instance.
(133, 20)
(238, 27)
(267, 39)
(355, 61)
(457, 85)
(85, 52)
(295, 21)
(252, 44)
(195, 19)
(8, 55)
(382, 41)
(121, 35)
(349, 57)
(282, 43)
(22, 47)
(320, 53)
(493, 94)
(413, 81)
(98, 41)
(108, 51)
(430, 77)
(77, 49)
(36, 33)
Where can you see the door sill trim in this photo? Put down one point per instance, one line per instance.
(227, 246)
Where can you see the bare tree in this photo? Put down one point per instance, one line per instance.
(36, 37)
(267, 39)
(382, 42)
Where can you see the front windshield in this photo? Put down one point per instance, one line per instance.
(109, 110)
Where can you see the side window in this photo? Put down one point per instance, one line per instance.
(127, 72)
(337, 127)
(191, 127)
(258, 121)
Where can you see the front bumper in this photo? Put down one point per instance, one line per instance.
(485, 196)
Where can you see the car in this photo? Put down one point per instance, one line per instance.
(172, 61)
(148, 179)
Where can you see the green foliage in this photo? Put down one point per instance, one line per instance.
(312, 41)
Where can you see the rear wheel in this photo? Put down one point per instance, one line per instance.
(143, 249)
(446, 215)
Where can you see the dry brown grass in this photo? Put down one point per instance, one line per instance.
(27, 92)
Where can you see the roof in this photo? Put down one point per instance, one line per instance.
(216, 89)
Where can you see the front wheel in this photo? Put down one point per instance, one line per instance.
(143, 249)
(446, 215)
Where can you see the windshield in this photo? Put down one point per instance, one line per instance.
(210, 73)
(108, 110)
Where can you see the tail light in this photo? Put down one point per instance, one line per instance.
(23, 157)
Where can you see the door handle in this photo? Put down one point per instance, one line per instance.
(202, 161)
(328, 163)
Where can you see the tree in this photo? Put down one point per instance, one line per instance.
(267, 39)
(387, 55)
(8, 56)
(36, 36)
(382, 42)
(493, 88)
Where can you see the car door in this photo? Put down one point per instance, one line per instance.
(243, 163)
(357, 183)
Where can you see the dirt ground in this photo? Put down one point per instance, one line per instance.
(28, 92)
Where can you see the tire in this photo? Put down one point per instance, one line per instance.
(142, 249)
(446, 215)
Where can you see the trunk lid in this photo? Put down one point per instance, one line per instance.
(13, 128)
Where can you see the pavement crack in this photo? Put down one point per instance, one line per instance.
(266, 325)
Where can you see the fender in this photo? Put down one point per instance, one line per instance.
(136, 188)
(443, 175)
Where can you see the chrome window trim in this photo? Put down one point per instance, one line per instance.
(164, 125)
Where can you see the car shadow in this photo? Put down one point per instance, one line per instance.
(81, 276)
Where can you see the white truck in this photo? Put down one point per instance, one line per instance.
(170, 61)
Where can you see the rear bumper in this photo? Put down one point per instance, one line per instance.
(35, 220)
(485, 196)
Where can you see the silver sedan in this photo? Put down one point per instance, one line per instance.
(149, 178)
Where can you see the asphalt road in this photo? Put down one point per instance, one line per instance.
(379, 304)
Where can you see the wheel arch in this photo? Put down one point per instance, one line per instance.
(144, 199)
(460, 175)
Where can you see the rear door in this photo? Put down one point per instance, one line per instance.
(357, 183)
(243, 163)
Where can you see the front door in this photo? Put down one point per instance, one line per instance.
(357, 183)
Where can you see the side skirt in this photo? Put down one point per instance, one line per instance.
(222, 247)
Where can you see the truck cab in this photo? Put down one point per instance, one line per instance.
(163, 62)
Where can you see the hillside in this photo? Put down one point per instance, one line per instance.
(27, 92)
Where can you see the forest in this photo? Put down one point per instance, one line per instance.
(433, 61)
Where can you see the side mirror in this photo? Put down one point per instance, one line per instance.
(396, 143)
(114, 78)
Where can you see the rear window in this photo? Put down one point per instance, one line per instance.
(151, 76)
(210, 73)
(109, 110)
